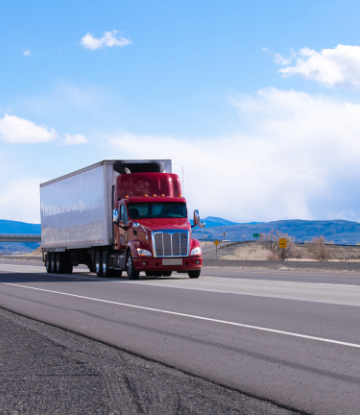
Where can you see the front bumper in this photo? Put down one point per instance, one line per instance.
(155, 264)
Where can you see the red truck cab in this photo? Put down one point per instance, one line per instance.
(152, 232)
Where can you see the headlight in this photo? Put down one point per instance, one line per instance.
(196, 251)
(143, 252)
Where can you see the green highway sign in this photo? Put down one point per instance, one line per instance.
(256, 235)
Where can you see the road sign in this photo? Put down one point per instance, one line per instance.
(256, 235)
(282, 243)
(216, 242)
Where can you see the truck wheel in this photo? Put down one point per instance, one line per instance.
(52, 262)
(98, 264)
(68, 266)
(194, 274)
(131, 272)
(106, 272)
(167, 273)
(48, 262)
(59, 263)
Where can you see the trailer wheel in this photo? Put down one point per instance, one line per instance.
(68, 266)
(131, 272)
(106, 271)
(52, 262)
(59, 263)
(98, 264)
(167, 273)
(48, 262)
(194, 274)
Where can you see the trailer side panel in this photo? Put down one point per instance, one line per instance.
(75, 211)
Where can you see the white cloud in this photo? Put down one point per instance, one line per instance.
(18, 130)
(27, 52)
(12, 199)
(281, 60)
(109, 39)
(74, 139)
(299, 161)
(339, 66)
(21, 131)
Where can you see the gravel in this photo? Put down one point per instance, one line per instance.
(47, 370)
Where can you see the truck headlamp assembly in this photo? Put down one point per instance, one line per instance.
(196, 251)
(143, 252)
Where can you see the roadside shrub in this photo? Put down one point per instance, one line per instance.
(270, 242)
(271, 256)
(318, 250)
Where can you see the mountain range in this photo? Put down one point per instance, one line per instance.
(337, 231)
(11, 227)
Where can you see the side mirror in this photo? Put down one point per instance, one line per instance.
(202, 225)
(196, 217)
(116, 215)
(136, 226)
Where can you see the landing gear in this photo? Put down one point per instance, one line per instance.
(194, 274)
(132, 273)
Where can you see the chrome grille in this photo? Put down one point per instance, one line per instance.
(171, 244)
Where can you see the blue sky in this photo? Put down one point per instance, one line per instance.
(259, 101)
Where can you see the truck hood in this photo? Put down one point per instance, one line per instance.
(170, 223)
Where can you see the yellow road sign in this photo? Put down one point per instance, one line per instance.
(216, 243)
(282, 243)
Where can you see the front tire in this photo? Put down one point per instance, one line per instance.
(131, 272)
(194, 274)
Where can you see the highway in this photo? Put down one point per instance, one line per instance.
(291, 338)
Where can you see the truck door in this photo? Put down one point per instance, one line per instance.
(123, 222)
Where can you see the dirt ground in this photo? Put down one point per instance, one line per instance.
(253, 251)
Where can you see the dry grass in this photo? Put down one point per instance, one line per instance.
(254, 251)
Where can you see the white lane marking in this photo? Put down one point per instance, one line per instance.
(49, 273)
(19, 272)
(213, 320)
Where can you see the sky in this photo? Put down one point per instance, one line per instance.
(258, 102)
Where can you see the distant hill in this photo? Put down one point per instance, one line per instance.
(213, 221)
(338, 231)
(10, 226)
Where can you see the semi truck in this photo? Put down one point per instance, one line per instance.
(119, 216)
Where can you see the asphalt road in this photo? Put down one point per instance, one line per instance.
(291, 338)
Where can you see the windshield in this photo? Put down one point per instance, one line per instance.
(157, 210)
